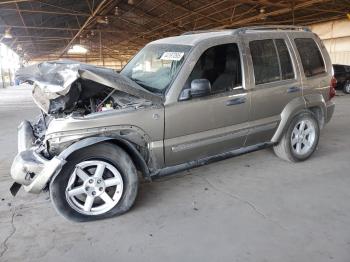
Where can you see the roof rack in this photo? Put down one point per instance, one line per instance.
(272, 27)
(203, 31)
(252, 28)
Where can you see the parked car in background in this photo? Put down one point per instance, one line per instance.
(342, 74)
(181, 102)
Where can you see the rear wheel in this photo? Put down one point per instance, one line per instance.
(97, 182)
(346, 87)
(300, 139)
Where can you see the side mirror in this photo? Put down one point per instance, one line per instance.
(200, 87)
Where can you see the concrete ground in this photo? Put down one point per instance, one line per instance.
(249, 208)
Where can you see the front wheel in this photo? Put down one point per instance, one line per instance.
(300, 139)
(97, 182)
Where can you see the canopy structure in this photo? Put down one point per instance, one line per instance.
(111, 31)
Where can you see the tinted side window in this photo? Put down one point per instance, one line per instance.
(285, 60)
(310, 56)
(265, 61)
(221, 65)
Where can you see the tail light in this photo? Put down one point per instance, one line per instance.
(332, 91)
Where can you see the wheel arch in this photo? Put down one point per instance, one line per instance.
(317, 105)
(319, 114)
(127, 146)
(313, 102)
(292, 109)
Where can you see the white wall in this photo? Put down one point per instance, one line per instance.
(336, 37)
(9, 63)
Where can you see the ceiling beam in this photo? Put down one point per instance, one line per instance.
(14, 2)
(152, 18)
(24, 24)
(218, 11)
(57, 6)
(21, 17)
(263, 3)
(41, 37)
(344, 12)
(193, 12)
(41, 40)
(57, 28)
(88, 20)
(279, 11)
(41, 11)
(164, 25)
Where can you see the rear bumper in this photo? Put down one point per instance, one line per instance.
(30, 168)
(330, 106)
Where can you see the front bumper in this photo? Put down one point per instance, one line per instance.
(30, 168)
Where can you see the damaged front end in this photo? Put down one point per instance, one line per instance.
(76, 101)
(30, 168)
(64, 87)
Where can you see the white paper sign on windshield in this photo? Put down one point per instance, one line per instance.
(172, 56)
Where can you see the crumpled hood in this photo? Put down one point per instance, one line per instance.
(55, 79)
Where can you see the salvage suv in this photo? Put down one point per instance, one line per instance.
(181, 102)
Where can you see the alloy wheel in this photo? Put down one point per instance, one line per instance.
(303, 137)
(94, 187)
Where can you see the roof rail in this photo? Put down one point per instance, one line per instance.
(203, 31)
(242, 30)
(272, 27)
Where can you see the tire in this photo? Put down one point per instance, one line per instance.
(97, 182)
(346, 87)
(293, 139)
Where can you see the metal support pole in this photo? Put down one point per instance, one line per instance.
(2, 76)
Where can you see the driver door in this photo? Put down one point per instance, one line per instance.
(215, 123)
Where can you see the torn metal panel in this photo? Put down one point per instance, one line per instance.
(58, 84)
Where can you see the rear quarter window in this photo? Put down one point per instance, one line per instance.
(310, 56)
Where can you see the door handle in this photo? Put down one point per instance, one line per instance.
(293, 89)
(236, 101)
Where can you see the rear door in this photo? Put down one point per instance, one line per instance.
(218, 122)
(274, 83)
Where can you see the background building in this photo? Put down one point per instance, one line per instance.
(336, 37)
(9, 63)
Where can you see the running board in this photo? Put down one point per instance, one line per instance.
(210, 159)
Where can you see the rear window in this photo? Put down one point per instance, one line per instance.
(271, 61)
(310, 56)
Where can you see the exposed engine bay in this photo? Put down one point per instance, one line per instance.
(61, 88)
(86, 97)
(79, 102)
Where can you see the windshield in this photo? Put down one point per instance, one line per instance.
(155, 66)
